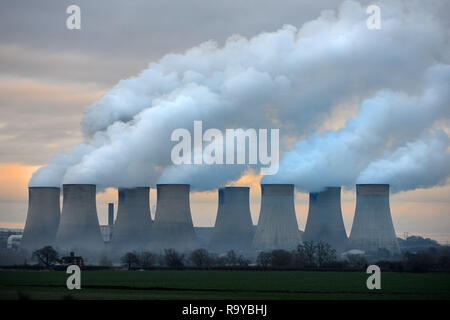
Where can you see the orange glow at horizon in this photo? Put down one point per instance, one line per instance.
(14, 179)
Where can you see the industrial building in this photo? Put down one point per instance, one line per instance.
(372, 227)
(324, 222)
(277, 225)
(173, 227)
(79, 227)
(233, 228)
(132, 229)
(42, 217)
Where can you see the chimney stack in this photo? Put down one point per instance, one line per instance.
(110, 214)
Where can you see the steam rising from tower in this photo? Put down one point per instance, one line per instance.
(277, 226)
(42, 217)
(325, 221)
(233, 227)
(372, 226)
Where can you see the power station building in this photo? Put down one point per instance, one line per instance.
(173, 227)
(79, 228)
(133, 224)
(277, 225)
(324, 222)
(372, 225)
(42, 217)
(233, 228)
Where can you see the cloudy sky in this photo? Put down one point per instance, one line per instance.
(49, 74)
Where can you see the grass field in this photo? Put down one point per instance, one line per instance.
(222, 285)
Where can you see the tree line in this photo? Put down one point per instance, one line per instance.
(307, 256)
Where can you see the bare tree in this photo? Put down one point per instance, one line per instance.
(263, 259)
(325, 254)
(232, 258)
(309, 250)
(280, 258)
(147, 259)
(173, 259)
(201, 258)
(130, 259)
(46, 256)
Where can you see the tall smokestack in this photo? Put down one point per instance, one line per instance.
(233, 228)
(372, 226)
(42, 217)
(173, 227)
(79, 227)
(133, 223)
(110, 214)
(277, 226)
(325, 221)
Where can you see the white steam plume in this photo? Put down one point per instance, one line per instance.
(289, 79)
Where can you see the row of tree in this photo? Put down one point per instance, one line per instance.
(200, 258)
(308, 256)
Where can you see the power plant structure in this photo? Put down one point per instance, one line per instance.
(133, 224)
(79, 228)
(42, 217)
(277, 226)
(372, 225)
(110, 215)
(173, 227)
(324, 222)
(233, 228)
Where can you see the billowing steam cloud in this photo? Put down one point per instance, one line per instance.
(289, 79)
(376, 147)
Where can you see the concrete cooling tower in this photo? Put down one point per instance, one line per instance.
(233, 228)
(79, 228)
(42, 217)
(173, 227)
(133, 223)
(325, 221)
(372, 226)
(277, 226)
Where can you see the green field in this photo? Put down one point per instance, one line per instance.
(222, 285)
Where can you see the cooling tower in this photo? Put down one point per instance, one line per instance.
(325, 221)
(372, 225)
(173, 227)
(133, 223)
(42, 217)
(277, 226)
(79, 228)
(234, 227)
